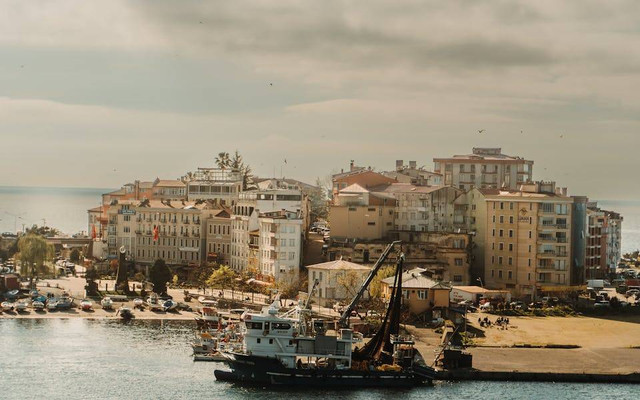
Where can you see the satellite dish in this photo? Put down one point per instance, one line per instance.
(123, 250)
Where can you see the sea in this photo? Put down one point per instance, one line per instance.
(66, 210)
(79, 358)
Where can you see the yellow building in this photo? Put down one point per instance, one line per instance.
(527, 238)
(419, 292)
(358, 213)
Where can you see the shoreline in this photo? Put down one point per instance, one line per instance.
(98, 315)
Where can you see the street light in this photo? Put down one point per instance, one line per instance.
(480, 280)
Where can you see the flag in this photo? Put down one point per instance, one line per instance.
(93, 232)
(155, 233)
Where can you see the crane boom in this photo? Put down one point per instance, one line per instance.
(343, 322)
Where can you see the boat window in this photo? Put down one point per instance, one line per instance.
(280, 326)
(258, 340)
(254, 325)
(270, 341)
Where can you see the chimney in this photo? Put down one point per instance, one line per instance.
(351, 164)
(399, 165)
(564, 191)
(412, 164)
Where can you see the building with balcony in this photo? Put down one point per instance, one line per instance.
(280, 245)
(223, 185)
(217, 225)
(527, 239)
(484, 168)
(364, 177)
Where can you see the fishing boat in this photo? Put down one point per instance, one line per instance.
(214, 356)
(86, 305)
(52, 304)
(37, 305)
(21, 306)
(154, 303)
(7, 306)
(64, 303)
(169, 305)
(290, 349)
(209, 318)
(107, 303)
(125, 313)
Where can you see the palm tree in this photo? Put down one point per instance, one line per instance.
(222, 160)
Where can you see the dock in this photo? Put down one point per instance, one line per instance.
(516, 376)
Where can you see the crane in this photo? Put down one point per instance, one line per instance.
(344, 319)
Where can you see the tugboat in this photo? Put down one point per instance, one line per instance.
(287, 349)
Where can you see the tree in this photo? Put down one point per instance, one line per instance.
(34, 251)
(375, 288)
(159, 275)
(91, 286)
(223, 160)
(238, 164)
(349, 282)
(319, 202)
(43, 231)
(222, 278)
(75, 256)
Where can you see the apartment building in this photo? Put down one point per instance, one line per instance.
(218, 234)
(421, 208)
(280, 245)
(528, 239)
(358, 213)
(484, 168)
(603, 238)
(223, 185)
(470, 216)
(248, 212)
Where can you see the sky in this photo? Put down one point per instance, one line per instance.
(97, 94)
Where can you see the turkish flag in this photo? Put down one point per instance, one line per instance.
(93, 232)
(155, 233)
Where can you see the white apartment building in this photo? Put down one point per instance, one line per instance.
(334, 282)
(246, 219)
(280, 245)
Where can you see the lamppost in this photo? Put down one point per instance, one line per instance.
(480, 280)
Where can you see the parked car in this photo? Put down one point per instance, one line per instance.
(603, 303)
(632, 292)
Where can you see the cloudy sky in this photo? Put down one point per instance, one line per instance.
(95, 94)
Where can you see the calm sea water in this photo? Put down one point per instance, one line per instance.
(66, 210)
(84, 359)
(62, 208)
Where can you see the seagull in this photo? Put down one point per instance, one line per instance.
(22, 66)
(270, 84)
(521, 131)
(200, 21)
(561, 136)
(481, 130)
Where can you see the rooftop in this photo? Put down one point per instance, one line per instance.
(339, 265)
(480, 154)
(415, 279)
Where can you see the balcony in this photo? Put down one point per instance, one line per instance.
(547, 253)
(172, 234)
(561, 226)
(138, 231)
(186, 222)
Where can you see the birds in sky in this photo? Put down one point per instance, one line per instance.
(561, 136)
(481, 130)
(270, 84)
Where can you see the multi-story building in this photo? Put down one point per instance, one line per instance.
(357, 213)
(421, 208)
(248, 212)
(603, 238)
(280, 245)
(484, 168)
(579, 235)
(218, 234)
(223, 185)
(528, 239)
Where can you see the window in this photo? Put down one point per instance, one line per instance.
(529, 234)
(458, 262)
(499, 260)
(510, 233)
(502, 219)
(253, 325)
(510, 260)
(511, 219)
(511, 206)
(492, 273)
(493, 259)
(502, 205)
(510, 246)
(493, 232)
(494, 219)
(501, 233)
(457, 278)
(510, 275)
(422, 294)
(371, 223)
(500, 274)
(280, 326)
(501, 246)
